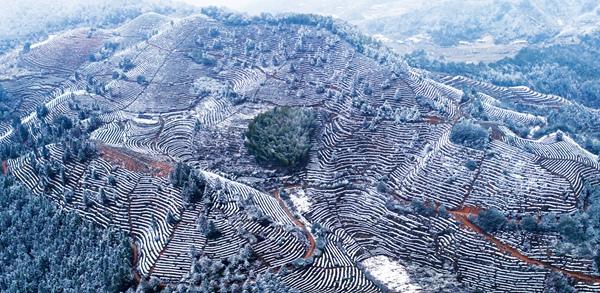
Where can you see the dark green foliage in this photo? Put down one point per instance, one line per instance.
(422, 208)
(567, 70)
(140, 79)
(282, 136)
(112, 180)
(3, 93)
(212, 232)
(491, 220)
(558, 283)
(471, 165)
(579, 122)
(201, 57)
(42, 111)
(190, 181)
(71, 132)
(382, 186)
(236, 273)
(43, 249)
(126, 64)
(571, 230)
(528, 223)
(469, 134)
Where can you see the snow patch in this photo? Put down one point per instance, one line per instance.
(382, 38)
(50, 37)
(147, 121)
(301, 201)
(391, 273)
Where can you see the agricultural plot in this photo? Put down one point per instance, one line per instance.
(384, 180)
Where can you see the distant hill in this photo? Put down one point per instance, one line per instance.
(472, 30)
(32, 20)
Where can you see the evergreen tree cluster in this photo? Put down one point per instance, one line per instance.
(43, 249)
(282, 136)
(236, 274)
(69, 131)
(567, 70)
(190, 181)
(469, 134)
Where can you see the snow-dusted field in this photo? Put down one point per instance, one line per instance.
(300, 200)
(391, 273)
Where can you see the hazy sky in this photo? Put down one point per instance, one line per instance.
(355, 10)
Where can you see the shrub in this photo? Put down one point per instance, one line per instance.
(126, 64)
(570, 230)
(212, 232)
(469, 134)
(491, 220)
(281, 136)
(422, 208)
(190, 181)
(201, 57)
(529, 224)
(558, 283)
(471, 165)
(140, 79)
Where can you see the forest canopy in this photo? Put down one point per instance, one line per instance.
(43, 249)
(567, 70)
(281, 136)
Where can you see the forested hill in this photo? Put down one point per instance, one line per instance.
(293, 153)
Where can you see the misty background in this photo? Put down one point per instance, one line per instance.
(471, 30)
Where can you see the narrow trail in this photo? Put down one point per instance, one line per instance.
(462, 216)
(312, 244)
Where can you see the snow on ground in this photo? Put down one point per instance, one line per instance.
(148, 121)
(300, 201)
(391, 273)
(50, 37)
(382, 38)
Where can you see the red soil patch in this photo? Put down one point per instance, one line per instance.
(462, 215)
(134, 161)
(433, 119)
(467, 210)
(4, 167)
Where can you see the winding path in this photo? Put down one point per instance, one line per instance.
(312, 244)
(462, 216)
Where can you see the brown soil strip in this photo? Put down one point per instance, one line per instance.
(433, 119)
(133, 161)
(311, 239)
(462, 216)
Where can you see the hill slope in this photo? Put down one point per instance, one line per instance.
(389, 174)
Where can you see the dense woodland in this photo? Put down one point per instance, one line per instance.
(43, 249)
(569, 70)
(281, 136)
(564, 70)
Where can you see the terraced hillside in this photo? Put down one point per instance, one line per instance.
(388, 174)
